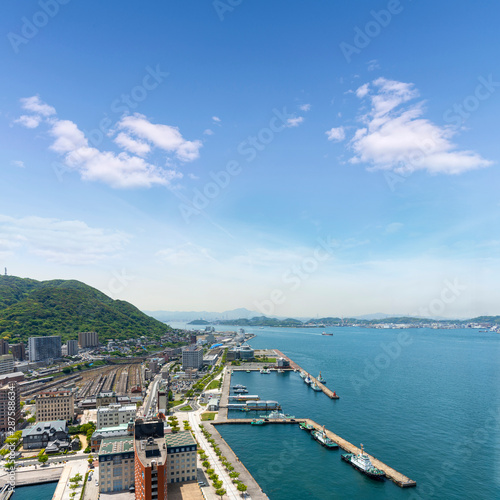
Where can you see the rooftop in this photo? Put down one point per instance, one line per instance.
(184, 438)
(113, 446)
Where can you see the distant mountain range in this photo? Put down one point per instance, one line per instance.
(30, 308)
(204, 315)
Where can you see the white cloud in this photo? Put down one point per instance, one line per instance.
(294, 122)
(193, 177)
(373, 65)
(68, 136)
(35, 105)
(305, 107)
(208, 132)
(164, 137)
(139, 148)
(64, 242)
(18, 163)
(396, 137)
(29, 121)
(336, 134)
(363, 90)
(216, 119)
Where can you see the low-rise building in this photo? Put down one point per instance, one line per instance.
(42, 434)
(181, 457)
(112, 415)
(55, 405)
(116, 464)
(117, 431)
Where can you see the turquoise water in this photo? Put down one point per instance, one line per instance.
(426, 402)
(38, 491)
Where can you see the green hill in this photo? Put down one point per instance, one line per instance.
(65, 307)
(262, 321)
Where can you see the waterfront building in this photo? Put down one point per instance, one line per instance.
(116, 464)
(283, 363)
(10, 405)
(42, 434)
(114, 414)
(210, 359)
(88, 339)
(72, 347)
(150, 460)
(244, 352)
(181, 457)
(4, 346)
(6, 363)
(44, 348)
(192, 357)
(18, 351)
(55, 405)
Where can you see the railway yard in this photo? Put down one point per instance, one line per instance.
(124, 379)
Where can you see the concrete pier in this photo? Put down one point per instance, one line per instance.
(331, 394)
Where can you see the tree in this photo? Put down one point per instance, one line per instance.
(221, 492)
(43, 458)
(242, 487)
(10, 465)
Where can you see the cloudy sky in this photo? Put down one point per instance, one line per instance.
(293, 158)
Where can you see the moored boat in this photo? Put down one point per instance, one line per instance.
(321, 379)
(257, 422)
(306, 427)
(302, 375)
(265, 370)
(315, 387)
(323, 439)
(276, 414)
(363, 463)
(308, 380)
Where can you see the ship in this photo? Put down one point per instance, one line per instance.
(265, 370)
(315, 387)
(328, 334)
(306, 427)
(308, 380)
(363, 463)
(276, 414)
(257, 422)
(240, 391)
(323, 439)
(321, 379)
(302, 375)
(239, 386)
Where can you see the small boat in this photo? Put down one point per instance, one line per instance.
(321, 379)
(328, 334)
(363, 463)
(306, 427)
(239, 386)
(315, 387)
(240, 391)
(265, 370)
(302, 375)
(308, 380)
(248, 371)
(323, 439)
(257, 422)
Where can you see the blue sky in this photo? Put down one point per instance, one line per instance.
(291, 158)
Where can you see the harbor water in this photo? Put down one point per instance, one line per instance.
(43, 491)
(425, 402)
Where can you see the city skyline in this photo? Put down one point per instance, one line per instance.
(294, 160)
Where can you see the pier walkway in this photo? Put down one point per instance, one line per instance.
(392, 474)
(331, 394)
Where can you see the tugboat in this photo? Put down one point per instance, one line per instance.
(308, 380)
(321, 379)
(323, 439)
(315, 387)
(257, 422)
(306, 427)
(363, 463)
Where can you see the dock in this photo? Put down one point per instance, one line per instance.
(396, 477)
(331, 394)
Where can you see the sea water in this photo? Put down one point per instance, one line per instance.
(429, 408)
